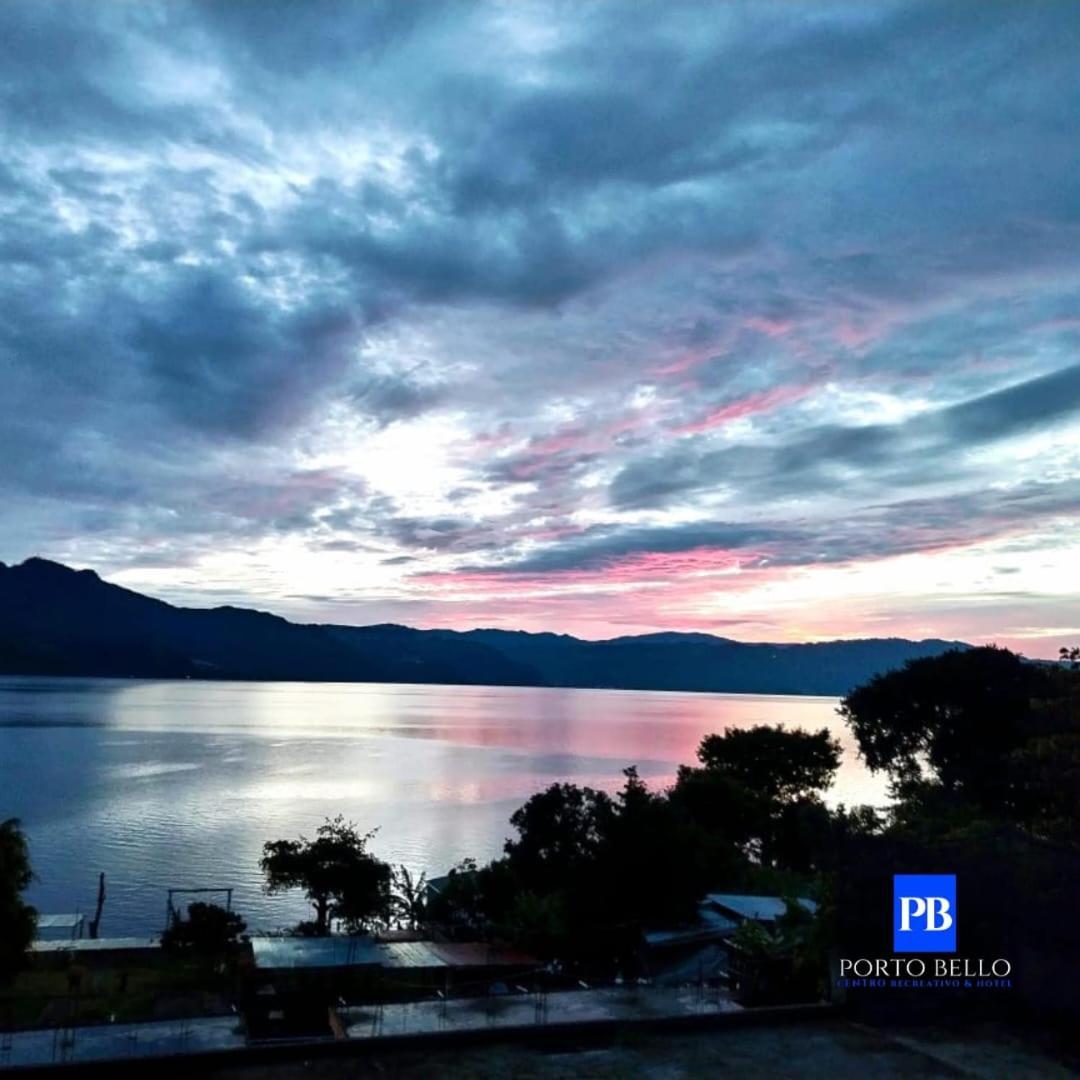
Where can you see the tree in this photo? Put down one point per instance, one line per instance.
(409, 899)
(951, 720)
(606, 863)
(1046, 768)
(472, 900)
(758, 790)
(559, 834)
(1070, 656)
(18, 920)
(782, 963)
(209, 930)
(651, 864)
(720, 804)
(537, 924)
(777, 763)
(340, 877)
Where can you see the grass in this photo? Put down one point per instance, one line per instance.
(170, 987)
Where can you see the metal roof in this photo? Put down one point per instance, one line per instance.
(88, 945)
(714, 920)
(59, 922)
(455, 954)
(759, 908)
(711, 924)
(276, 953)
(480, 954)
(410, 954)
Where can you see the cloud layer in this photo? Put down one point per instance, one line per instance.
(595, 317)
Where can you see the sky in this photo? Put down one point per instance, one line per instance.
(600, 318)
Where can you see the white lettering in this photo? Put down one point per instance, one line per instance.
(910, 906)
(937, 905)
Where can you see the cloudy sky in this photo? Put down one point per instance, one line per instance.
(601, 318)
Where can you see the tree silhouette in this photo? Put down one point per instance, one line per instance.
(408, 901)
(560, 831)
(341, 878)
(209, 929)
(951, 720)
(777, 763)
(18, 920)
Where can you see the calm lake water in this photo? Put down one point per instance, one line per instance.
(172, 783)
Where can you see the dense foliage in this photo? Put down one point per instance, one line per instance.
(975, 735)
(208, 930)
(982, 749)
(983, 752)
(343, 880)
(18, 920)
(587, 871)
(779, 765)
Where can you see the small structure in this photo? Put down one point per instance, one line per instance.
(701, 951)
(696, 953)
(314, 954)
(97, 952)
(450, 968)
(174, 914)
(307, 958)
(60, 927)
(296, 983)
(761, 909)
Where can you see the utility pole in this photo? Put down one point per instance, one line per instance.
(95, 922)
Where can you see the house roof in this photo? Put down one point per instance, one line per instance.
(711, 925)
(90, 945)
(276, 953)
(410, 954)
(759, 908)
(59, 922)
(481, 954)
(294, 953)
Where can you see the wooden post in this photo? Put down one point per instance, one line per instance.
(95, 922)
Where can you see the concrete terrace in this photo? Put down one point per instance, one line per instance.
(503, 1013)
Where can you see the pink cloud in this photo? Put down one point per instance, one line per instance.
(773, 328)
(762, 401)
(574, 442)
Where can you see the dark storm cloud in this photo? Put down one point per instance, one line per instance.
(395, 397)
(875, 532)
(1015, 409)
(919, 450)
(599, 547)
(436, 533)
(220, 360)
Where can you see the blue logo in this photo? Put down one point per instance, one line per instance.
(924, 913)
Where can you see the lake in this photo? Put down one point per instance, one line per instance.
(178, 783)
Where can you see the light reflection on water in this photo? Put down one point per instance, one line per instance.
(173, 783)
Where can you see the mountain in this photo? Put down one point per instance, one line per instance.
(59, 621)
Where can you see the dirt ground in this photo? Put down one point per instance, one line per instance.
(830, 1051)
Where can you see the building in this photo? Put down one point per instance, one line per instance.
(295, 984)
(701, 952)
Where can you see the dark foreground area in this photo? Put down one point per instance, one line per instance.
(833, 1049)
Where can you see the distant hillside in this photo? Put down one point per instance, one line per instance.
(59, 621)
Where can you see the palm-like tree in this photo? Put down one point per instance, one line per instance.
(408, 898)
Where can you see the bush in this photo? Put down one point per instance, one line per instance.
(208, 931)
